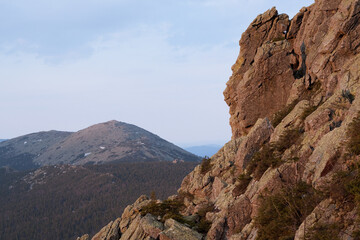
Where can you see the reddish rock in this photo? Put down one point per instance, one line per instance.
(259, 135)
(151, 226)
(218, 186)
(217, 230)
(239, 215)
(256, 89)
(176, 231)
(317, 120)
(109, 232)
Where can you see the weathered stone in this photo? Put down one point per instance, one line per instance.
(177, 231)
(254, 81)
(217, 230)
(322, 212)
(109, 232)
(84, 237)
(132, 211)
(239, 214)
(151, 226)
(200, 186)
(218, 186)
(134, 231)
(317, 120)
(259, 135)
(291, 121)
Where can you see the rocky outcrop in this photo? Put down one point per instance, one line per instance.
(109, 232)
(177, 231)
(262, 73)
(132, 225)
(256, 138)
(293, 99)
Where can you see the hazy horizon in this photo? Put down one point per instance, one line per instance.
(160, 65)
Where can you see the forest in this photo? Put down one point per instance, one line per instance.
(63, 202)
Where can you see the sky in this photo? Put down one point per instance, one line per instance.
(161, 65)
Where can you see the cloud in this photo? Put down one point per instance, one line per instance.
(134, 75)
(159, 64)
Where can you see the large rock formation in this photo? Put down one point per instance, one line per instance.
(294, 176)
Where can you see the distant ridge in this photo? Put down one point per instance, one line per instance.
(108, 142)
(19, 153)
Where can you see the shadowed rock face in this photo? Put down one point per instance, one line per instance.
(306, 73)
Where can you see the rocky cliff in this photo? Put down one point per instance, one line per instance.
(291, 169)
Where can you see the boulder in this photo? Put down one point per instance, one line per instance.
(132, 211)
(109, 232)
(84, 237)
(151, 226)
(134, 231)
(257, 137)
(177, 231)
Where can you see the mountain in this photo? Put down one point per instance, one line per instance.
(291, 169)
(61, 202)
(112, 142)
(1, 140)
(108, 142)
(20, 153)
(204, 150)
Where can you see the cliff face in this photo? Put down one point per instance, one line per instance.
(280, 59)
(291, 168)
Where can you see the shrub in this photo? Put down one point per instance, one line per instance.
(353, 144)
(182, 195)
(277, 39)
(287, 139)
(348, 95)
(356, 235)
(345, 190)
(323, 232)
(270, 154)
(172, 208)
(346, 186)
(262, 160)
(205, 209)
(153, 195)
(281, 214)
(165, 210)
(280, 115)
(205, 165)
(204, 225)
(242, 183)
(309, 110)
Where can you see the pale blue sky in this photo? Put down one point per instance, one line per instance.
(161, 64)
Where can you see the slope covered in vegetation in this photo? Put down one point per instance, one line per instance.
(62, 202)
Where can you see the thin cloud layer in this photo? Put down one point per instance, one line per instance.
(159, 65)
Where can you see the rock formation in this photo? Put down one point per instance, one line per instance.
(291, 169)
